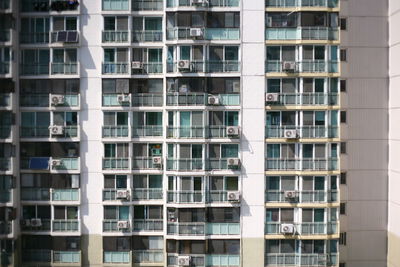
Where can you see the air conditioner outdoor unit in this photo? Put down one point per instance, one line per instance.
(56, 130)
(36, 222)
(290, 194)
(290, 134)
(196, 32)
(136, 65)
(232, 131)
(233, 162)
(123, 224)
(56, 162)
(157, 161)
(233, 195)
(184, 65)
(184, 260)
(289, 66)
(271, 97)
(287, 228)
(213, 100)
(123, 98)
(122, 194)
(57, 100)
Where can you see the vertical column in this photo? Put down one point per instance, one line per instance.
(253, 140)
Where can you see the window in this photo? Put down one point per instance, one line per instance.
(343, 24)
(343, 116)
(343, 55)
(342, 208)
(342, 238)
(343, 178)
(343, 147)
(343, 85)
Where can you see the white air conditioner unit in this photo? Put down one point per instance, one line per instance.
(157, 161)
(183, 260)
(124, 98)
(232, 131)
(290, 134)
(136, 65)
(196, 32)
(123, 224)
(290, 194)
(57, 100)
(56, 130)
(289, 66)
(122, 194)
(287, 228)
(36, 222)
(184, 65)
(233, 162)
(56, 162)
(233, 195)
(213, 100)
(271, 97)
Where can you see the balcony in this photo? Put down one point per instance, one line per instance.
(212, 34)
(286, 164)
(301, 259)
(65, 225)
(148, 256)
(5, 67)
(140, 194)
(202, 229)
(208, 66)
(306, 228)
(35, 194)
(305, 66)
(5, 35)
(44, 132)
(66, 256)
(199, 164)
(117, 256)
(6, 227)
(148, 68)
(302, 33)
(147, 36)
(5, 100)
(5, 131)
(5, 195)
(44, 100)
(65, 68)
(35, 37)
(140, 163)
(201, 99)
(42, 255)
(302, 131)
(183, 197)
(302, 3)
(147, 131)
(65, 194)
(116, 68)
(115, 36)
(206, 260)
(212, 3)
(137, 100)
(54, 164)
(115, 131)
(111, 195)
(193, 132)
(48, 5)
(305, 99)
(148, 225)
(147, 5)
(44, 226)
(35, 69)
(116, 163)
(112, 226)
(66, 164)
(314, 196)
(6, 164)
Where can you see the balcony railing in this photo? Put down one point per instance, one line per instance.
(302, 131)
(137, 100)
(148, 68)
(316, 164)
(147, 131)
(182, 33)
(44, 100)
(66, 256)
(46, 6)
(45, 225)
(116, 163)
(186, 197)
(5, 131)
(5, 100)
(116, 68)
(44, 132)
(306, 228)
(203, 228)
(115, 131)
(206, 260)
(6, 164)
(301, 259)
(35, 194)
(5, 67)
(185, 164)
(147, 36)
(112, 226)
(194, 132)
(35, 37)
(5, 195)
(148, 256)
(65, 68)
(139, 163)
(211, 3)
(111, 194)
(302, 3)
(201, 99)
(66, 225)
(35, 69)
(117, 256)
(314, 196)
(36, 255)
(148, 225)
(5, 35)
(5, 227)
(302, 33)
(147, 5)
(147, 194)
(66, 164)
(208, 66)
(65, 194)
(308, 99)
(115, 36)
(307, 66)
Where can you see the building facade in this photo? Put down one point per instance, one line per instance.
(197, 133)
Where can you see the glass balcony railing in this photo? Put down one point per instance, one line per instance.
(199, 132)
(36, 255)
(5, 100)
(48, 5)
(307, 66)
(307, 99)
(65, 194)
(6, 227)
(206, 260)
(115, 131)
(208, 66)
(186, 164)
(35, 194)
(35, 132)
(112, 226)
(148, 68)
(302, 131)
(116, 68)
(201, 99)
(304, 196)
(35, 69)
(147, 194)
(147, 5)
(5, 195)
(148, 225)
(302, 33)
(147, 36)
(306, 164)
(110, 194)
(183, 197)
(5, 67)
(147, 131)
(302, 3)
(5, 4)
(66, 256)
(137, 100)
(66, 225)
(305, 228)
(71, 68)
(41, 225)
(139, 163)
(115, 36)
(117, 256)
(44, 100)
(210, 3)
(148, 256)
(65, 164)
(116, 164)
(301, 259)
(183, 33)
(5, 132)
(5, 35)
(6, 164)
(203, 228)
(35, 37)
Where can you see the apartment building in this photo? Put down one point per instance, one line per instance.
(195, 133)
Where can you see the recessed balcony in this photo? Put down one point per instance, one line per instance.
(305, 164)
